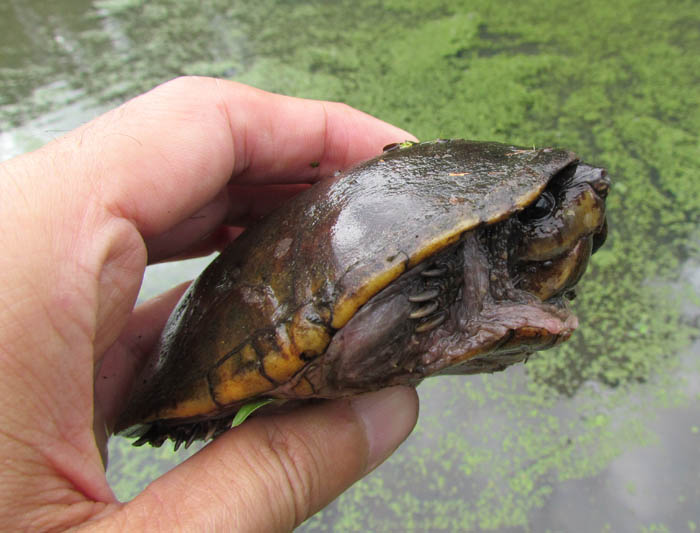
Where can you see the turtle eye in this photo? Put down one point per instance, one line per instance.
(541, 208)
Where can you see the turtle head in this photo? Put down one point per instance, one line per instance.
(557, 233)
(512, 296)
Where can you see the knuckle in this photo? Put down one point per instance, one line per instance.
(298, 470)
(183, 86)
(184, 81)
(342, 107)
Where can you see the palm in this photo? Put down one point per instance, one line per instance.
(154, 179)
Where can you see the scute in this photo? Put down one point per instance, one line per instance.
(271, 301)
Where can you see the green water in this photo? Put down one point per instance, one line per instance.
(602, 434)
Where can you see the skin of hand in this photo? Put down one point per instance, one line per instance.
(168, 174)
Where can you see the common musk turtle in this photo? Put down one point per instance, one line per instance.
(442, 257)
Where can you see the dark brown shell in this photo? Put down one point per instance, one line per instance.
(272, 301)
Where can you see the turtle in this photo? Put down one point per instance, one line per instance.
(443, 257)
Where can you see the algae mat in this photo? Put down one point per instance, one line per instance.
(602, 434)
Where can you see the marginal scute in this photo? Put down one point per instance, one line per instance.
(280, 359)
(528, 198)
(238, 376)
(200, 401)
(308, 332)
(286, 348)
(247, 355)
(442, 241)
(348, 303)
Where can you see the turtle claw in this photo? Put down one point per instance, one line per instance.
(431, 324)
(424, 296)
(434, 272)
(424, 311)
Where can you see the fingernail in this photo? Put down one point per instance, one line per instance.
(388, 416)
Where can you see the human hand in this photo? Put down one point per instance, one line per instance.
(164, 175)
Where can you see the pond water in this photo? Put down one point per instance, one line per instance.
(602, 434)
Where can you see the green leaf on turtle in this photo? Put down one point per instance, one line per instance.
(247, 410)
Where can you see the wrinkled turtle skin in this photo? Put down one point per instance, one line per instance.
(444, 257)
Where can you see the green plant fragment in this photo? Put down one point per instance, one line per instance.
(247, 410)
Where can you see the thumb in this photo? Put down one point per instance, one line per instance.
(273, 472)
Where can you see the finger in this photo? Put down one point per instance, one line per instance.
(273, 472)
(159, 158)
(213, 242)
(238, 205)
(188, 232)
(122, 361)
(250, 203)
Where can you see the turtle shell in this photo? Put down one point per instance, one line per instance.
(259, 321)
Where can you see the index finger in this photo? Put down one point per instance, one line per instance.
(160, 157)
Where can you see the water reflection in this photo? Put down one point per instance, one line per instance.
(107, 50)
(40, 47)
(42, 34)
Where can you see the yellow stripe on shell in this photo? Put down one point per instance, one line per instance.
(443, 240)
(349, 303)
(529, 197)
(200, 402)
